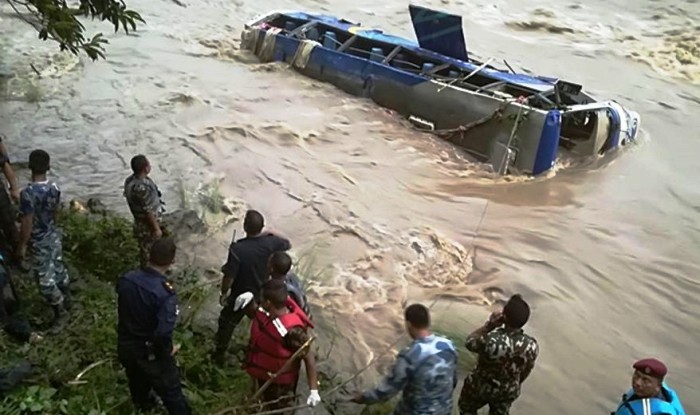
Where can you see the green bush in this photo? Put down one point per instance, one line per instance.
(99, 245)
(98, 249)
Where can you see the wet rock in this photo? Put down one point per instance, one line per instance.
(93, 206)
(96, 206)
(77, 206)
(185, 222)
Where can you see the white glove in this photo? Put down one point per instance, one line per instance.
(314, 398)
(242, 301)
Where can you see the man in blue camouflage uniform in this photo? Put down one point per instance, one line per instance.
(147, 310)
(426, 371)
(39, 203)
(145, 203)
(506, 356)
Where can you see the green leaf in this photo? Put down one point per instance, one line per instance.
(60, 22)
(47, 393)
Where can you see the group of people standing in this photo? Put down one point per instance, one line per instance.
(258, 283)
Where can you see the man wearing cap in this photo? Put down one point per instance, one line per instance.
(649, 394)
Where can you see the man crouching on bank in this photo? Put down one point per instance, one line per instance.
(277, 332)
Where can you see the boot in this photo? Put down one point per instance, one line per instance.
(60, 318)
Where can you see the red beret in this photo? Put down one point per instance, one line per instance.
(651, 367)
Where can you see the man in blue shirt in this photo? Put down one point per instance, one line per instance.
(39, 203)
(147, 309)
(426, 371)
(280, 264)
(650, 395)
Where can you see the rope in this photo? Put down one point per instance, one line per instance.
(302, 350)
(342, 384)
(462, 129)
(472, 73)
(249, 406)
(450, 133)
(251, 401)
(516, 125)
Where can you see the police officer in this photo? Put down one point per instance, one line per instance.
(147, 307)
(145, 203)
(7, 211)
(245, 270)
(425, 371)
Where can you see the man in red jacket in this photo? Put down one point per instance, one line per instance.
(277, 331)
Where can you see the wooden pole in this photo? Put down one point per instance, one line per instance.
(304, 347)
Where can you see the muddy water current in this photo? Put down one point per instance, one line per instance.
(606, 250)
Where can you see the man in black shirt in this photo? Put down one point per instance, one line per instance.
(245, 270)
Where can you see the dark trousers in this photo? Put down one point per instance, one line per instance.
(228, 320)
(8, 224)
(13, 323)
(159, 376)
(474, 397)
(277, 396)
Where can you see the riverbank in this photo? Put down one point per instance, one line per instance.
(76, 371)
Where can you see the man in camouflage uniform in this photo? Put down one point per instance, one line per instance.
(39, 203)
(506, 356)
(145, 204)
(426, 371)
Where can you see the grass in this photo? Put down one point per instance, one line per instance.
(307, 266)
(98, 249)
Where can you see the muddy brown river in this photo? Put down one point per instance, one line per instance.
(605, 250)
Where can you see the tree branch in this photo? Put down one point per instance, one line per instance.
(57, 21)
(20, 15)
